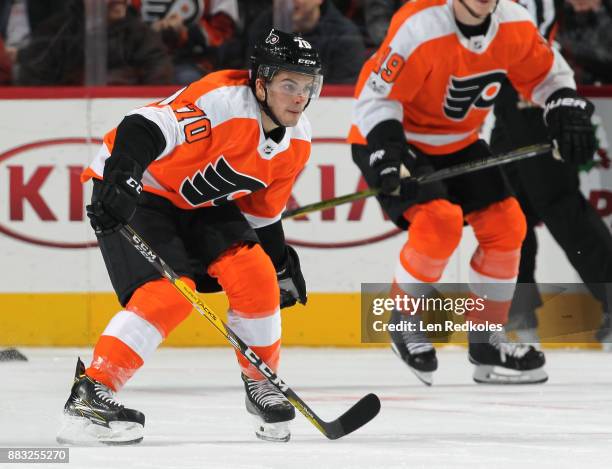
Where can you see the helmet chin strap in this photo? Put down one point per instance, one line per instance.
(266, 108)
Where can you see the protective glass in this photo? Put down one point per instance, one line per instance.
(296, 84)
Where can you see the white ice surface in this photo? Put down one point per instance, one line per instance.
(193, 402)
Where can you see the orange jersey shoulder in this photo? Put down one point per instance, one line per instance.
(440, 84)
(216, 150)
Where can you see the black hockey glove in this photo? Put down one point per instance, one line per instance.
(385, 164)
(115, 198)
(568, 118)
(291, 281)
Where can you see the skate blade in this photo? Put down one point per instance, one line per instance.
(488, 374)
(277, 432)
(79, 431)
(426, 377)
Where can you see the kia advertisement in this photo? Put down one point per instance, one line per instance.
(46, 240)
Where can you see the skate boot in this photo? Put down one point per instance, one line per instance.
(501, 362)
(93, 416)
(413, 346)
(270, 409)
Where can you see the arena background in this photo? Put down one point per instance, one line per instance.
(55, 290)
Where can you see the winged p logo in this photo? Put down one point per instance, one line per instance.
(477, 91)
(217, 183)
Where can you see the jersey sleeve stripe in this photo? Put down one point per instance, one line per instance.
(559, 76)
(437, 139)
(149, 181)
(260, 222)
(97, 165)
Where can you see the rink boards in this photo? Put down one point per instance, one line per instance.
(54, 289)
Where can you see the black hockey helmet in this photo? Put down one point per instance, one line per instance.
(286, 51)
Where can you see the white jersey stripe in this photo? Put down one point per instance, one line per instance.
(559, 76)
(260, 222)
(436, 139)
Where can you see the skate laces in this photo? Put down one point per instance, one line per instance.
(106, 395)
(416, 342)
(264, 393)
(507, 349)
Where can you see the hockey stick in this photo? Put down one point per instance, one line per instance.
(361, 413)
(452, 171)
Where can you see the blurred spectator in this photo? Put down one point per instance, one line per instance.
(55, 54)
(338, 40)
(250, 9)
(6, 65)
(19, 17)
(378, 15)
(197, 32)
(353, 10)
(585, 35)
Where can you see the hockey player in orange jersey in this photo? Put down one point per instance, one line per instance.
(203, 176)
(420, 102)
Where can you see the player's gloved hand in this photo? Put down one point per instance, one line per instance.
(115, 199)
(385, 163)
(409, 186)
(568, 118)
(291, 281)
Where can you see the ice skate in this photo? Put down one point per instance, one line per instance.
(93, 416)
(270, 409)
(500, 362)
(413, 347)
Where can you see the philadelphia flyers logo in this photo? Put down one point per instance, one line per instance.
(477, 91)
(190, 11)
(272, 38)
(218, 183)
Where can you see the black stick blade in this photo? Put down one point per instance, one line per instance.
(357, 416)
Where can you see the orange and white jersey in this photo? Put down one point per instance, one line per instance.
(216, 150)
(441, 85)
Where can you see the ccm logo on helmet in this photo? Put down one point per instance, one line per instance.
(476, 90)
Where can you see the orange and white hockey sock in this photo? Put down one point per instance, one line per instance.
(500, 230)
(434, 233)
(248, 278)
(133, 334)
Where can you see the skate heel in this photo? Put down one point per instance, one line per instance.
(271, 431)
(490, 374)
(80, 431)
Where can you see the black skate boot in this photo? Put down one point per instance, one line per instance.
(501, 362)
(272, 411)
(412, 346)
(93, 416)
